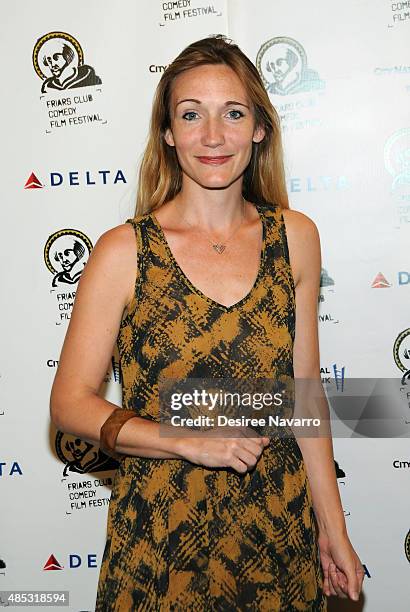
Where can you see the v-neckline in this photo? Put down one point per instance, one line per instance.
(187, 281)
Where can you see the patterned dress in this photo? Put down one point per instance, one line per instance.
(181, 536)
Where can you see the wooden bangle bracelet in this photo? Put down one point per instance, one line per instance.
(111, 428)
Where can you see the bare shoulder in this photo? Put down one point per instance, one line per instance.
(298, 222)
(303, 244)
(114, 258)
(121, 237)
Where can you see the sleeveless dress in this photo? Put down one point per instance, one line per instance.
(182, 536)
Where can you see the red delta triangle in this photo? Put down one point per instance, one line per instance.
(380, 282)
(33, 182)
(52, 564)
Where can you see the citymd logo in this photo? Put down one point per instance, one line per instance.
(398, 464)
(75, 178)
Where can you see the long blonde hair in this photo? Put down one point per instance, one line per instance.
(160, 176)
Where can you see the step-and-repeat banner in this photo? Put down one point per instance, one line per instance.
(339, 77)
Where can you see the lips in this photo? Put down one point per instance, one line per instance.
(215, 161)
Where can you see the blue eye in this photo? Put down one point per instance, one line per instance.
(188, 113)
(237, 111)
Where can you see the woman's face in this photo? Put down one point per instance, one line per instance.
(212, 125)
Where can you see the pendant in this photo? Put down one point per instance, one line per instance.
(219, 248)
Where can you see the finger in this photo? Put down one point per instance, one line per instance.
(353, 582)
(248, 432)
(238, 465)
(252, 446)
(334, 579)
(326, 586)
(247, 457)
(360, 577)
(342, 582)
(330, 585)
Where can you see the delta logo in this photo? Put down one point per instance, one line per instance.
(380, 281)
(52, 564)
(76, 178)
(74, 562)
(10, 469)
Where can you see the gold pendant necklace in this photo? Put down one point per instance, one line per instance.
(220, 247)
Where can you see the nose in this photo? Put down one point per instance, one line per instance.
(212, 135)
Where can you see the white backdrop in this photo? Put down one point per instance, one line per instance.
(70, 161)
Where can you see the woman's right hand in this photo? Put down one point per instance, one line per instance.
(240, 453)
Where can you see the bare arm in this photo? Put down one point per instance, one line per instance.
(304, 246)
(343, 571)
(105, 288)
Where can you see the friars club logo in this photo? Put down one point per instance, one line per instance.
(407, 546)
(66, 253)
(79, 456)
(58, 60)
(326, 299)
(325, 279)
(283, 67)
(397, 164)
(401, 354)
(282, 64)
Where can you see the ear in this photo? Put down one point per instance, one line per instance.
(258, 134)
(169, 138)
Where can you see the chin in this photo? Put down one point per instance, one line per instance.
(215, 182)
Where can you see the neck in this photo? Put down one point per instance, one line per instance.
(212, 209)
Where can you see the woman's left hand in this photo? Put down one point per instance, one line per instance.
(342, 568)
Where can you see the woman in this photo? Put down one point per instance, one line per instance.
(226, 287)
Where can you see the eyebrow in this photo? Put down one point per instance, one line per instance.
(228, 103)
